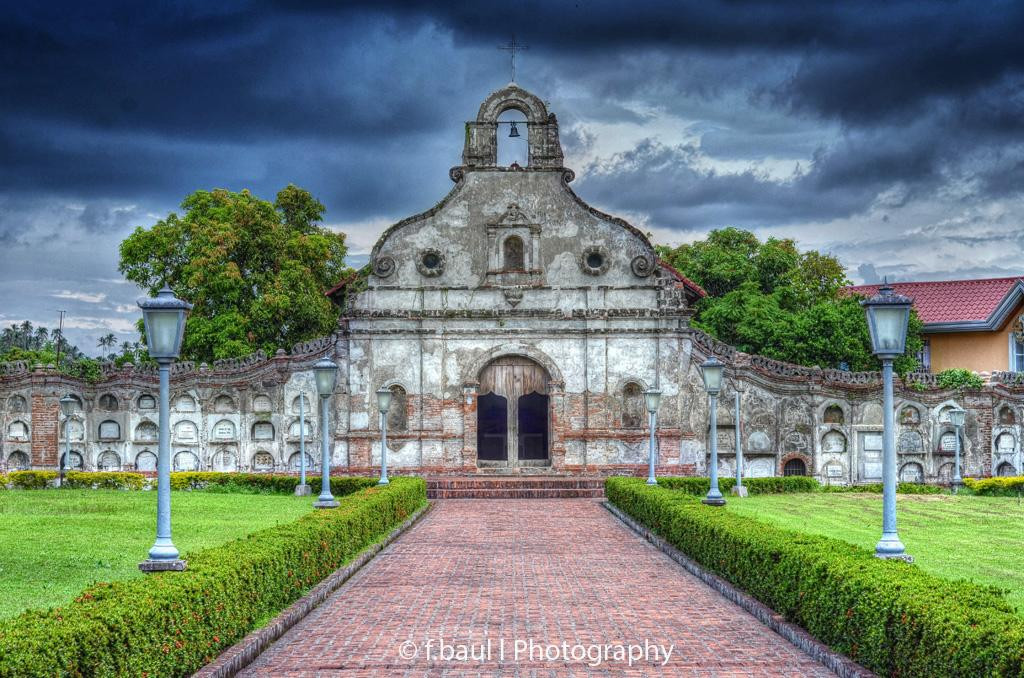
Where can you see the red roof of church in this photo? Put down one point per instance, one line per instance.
(952, 301)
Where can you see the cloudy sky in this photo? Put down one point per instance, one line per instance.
(888, 133)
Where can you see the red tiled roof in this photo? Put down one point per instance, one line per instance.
(950, 301)
(692, 286)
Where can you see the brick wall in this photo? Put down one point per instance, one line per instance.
(45, 413)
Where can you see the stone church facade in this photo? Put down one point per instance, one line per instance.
(517, 328)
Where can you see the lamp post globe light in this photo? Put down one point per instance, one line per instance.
(67, 406)
(888, 314)
(652, 398)
(711, 371)
(325, 371)
(383, 404)
(164, 320)
(956, 417)
(302, 489)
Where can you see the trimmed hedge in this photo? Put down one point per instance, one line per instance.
(104, 480)
(698, 486)
(1000, 486)
(876, 488)
(257, 483)
(891, 617)
(30, 480)
(781, 485)
(262, 482)
(172, 623)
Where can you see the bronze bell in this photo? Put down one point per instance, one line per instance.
(514, 132)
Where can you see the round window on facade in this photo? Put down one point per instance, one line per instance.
(430, 263)
(594, 260)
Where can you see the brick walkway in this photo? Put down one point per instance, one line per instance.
(550, 571)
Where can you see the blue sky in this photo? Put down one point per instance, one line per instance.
(888, 133)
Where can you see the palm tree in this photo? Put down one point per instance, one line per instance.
(107, 341)
(26, 333)
(7, 339)
(42, 335)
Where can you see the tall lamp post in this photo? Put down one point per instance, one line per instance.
(326, 373)
(888, 314)
(164, 319)
(653, 400)
(302, 489)
(738, 489)
(711, 371)
(383, 404)
(956, 417)
(67, 406)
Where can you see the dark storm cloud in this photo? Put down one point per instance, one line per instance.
(110, 113)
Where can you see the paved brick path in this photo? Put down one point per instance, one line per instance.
(550, 571)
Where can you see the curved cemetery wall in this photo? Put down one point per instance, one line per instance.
(243, 415)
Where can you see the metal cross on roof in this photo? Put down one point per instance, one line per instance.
(513, 47)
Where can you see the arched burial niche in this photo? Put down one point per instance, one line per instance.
(513, 413)
(795, 467)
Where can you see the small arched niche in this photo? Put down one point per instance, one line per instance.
(833, 415)
(513, 254)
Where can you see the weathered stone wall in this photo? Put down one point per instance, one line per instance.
(511, 264)
(226, 416)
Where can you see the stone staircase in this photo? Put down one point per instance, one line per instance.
(514, 487)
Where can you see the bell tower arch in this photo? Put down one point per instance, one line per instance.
(545, 149)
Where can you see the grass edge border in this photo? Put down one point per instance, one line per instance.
(243, 653)
(838, 663)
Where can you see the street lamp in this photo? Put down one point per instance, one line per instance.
(653, 398)
(738, 489)
(326, 373)
(302, 489)
(888, 314)
(956, 417)
(383, 404)
(164, 319)
(711, 371)
(67, 406)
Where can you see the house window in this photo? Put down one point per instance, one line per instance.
(1016, 353)
(924, 356)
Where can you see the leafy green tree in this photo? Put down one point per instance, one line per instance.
(255, 271)
(772, 299)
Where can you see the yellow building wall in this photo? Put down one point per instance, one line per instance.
(977, 351)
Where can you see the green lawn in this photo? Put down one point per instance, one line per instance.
(969, 537)
(54, 543)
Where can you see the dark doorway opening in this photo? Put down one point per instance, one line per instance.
(492, 427)
(533, 426)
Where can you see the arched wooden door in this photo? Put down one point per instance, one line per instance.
(513, 409)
